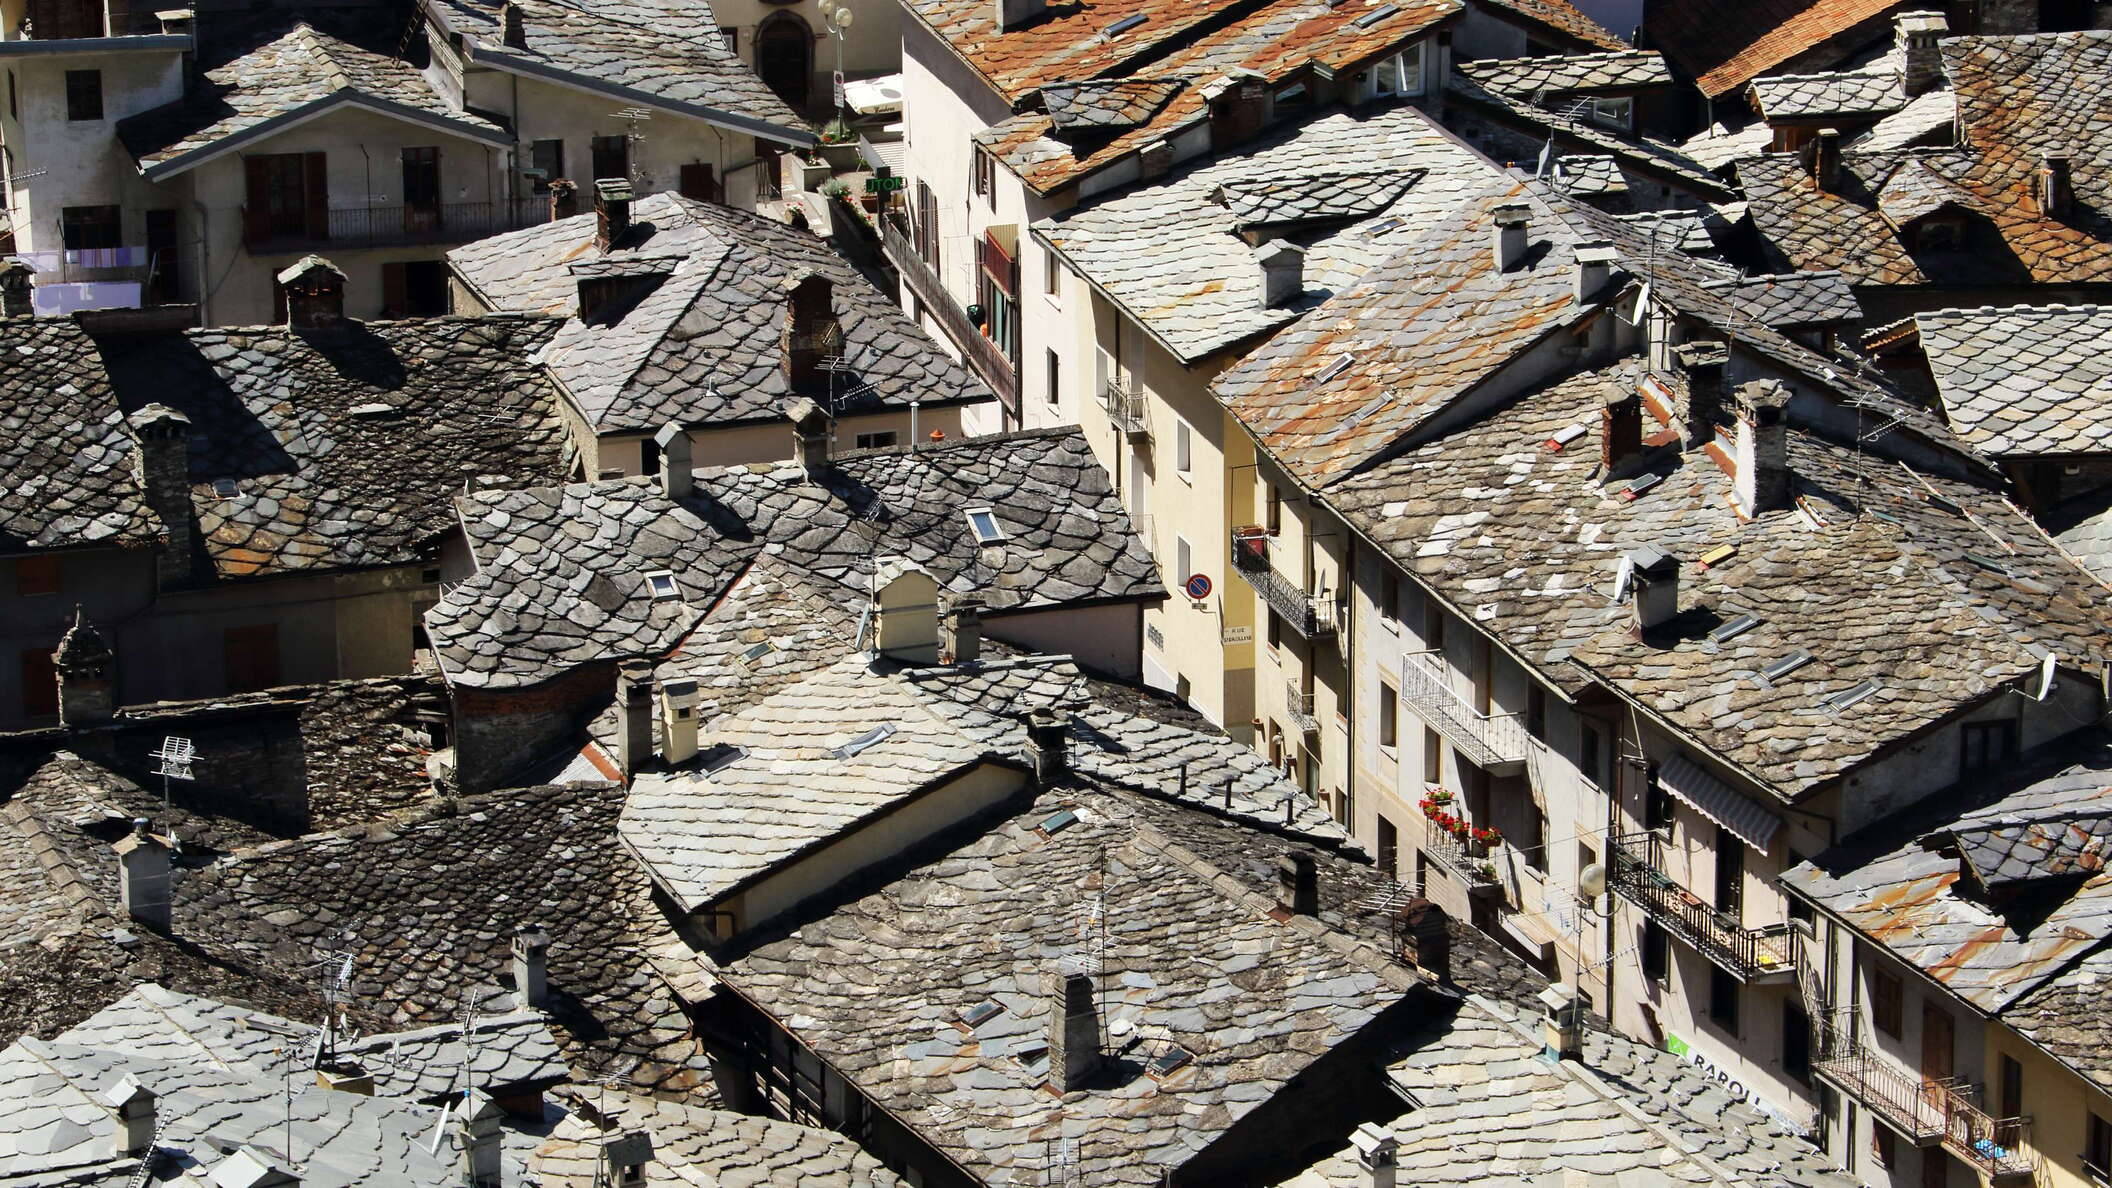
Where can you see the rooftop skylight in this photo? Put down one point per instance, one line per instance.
(661, 585)
(1375, 16)
(1125, 25)
(1337, 367)
(1786, 665)
(983, 522)
(1842, 699)
(870, 738)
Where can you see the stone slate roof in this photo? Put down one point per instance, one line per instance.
(703, 347)
(664, 53)
(1167, 253)
(1724, 44)
(1927, 119)
(1107, 104)
(1571, 74)
(1842, 94)
(874, 987)
(695, 1145)
(296, 74)
(1560, 17)
(1902, 885)
(335, 448)
(1792, 299)
(1289, 201)
(561, 571)
(2083, 527)
(1885, 589)
(1499, 120)
(1494, 1111)
(426, 903)
(2017, 97)
(1716, 147)
(2068, 1016)
(2023, 380)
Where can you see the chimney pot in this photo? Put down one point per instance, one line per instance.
(2056, 185)
(162, 437)
(964, 630)
(1595, 262)
(1762, 478)
(531, 966)
(1513, 224)
(677, 465)
(515, 29)
(810, 436)
(679, 701)
(564, 199)
(1655, 575)
(905, 612)
(1154, 159)
(1826, 160)
(17, 285)
(315, 293)
(1378, 1153)
(1011, 14)
(143, 876)
(480, 1139)
(612, 211)
(133, 1103)
(634, 714)
(1074, 1031)
(1282, 272)
(1048, 737)
(1563, 1021)
(811, 332)
(1425, 939)
(1298, 884)
(624, 1156)
(1621, 429)
(83, 662)
(1703, 364)
(1920, 61)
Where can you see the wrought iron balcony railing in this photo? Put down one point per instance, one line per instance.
(392, 226)
(1472, 865)
(1312, 616)
(1931, 1111)
(990, 361)
(1298, 703)
(1748, 954)
(1496, 743)
(1125, 409)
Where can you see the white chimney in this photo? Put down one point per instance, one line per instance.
(133, 1103)
(1762, 478)
(478, 1134)
(1378, 1153)
(1563, 1021)
(678, 719)
(1282, 272)
(1011, 14)
(1595, 263)
(1513, 224)
(1655, 574)
(531, 966)
(677, 464)
(906, 611)
(143, 876)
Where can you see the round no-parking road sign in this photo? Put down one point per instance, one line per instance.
(1198, 586)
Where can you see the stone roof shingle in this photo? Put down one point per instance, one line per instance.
(1571, 74)
(2023, 380)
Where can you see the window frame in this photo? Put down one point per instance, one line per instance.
(995, 535)
(552, 171)
(1389, 717)
(111, 220)
(84, 89)
(1887, 1007)
(1183, 449)
(871, 440)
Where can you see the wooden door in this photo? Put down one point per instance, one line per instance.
(252, 657)
(698, 182)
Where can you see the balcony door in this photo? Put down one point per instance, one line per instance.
(421, 189)
(1937, 1043)
(288, 196)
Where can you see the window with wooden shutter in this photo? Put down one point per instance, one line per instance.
(698, 182)
(252, 657)
(40, 683)
(316, 181)
(395, 289)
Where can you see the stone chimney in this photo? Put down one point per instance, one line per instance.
(1620, 429)
(133, 1103)
(1298, 884)
(1595, 263)
(810, 333)
(1762, 479)
(1920, 62)
(18, 281)
(1074, 1031)
(1655, 576)
(906, 612)
(143, 876)
(1154, 159)
(162, 437)
(564, 198)
(2055, 185)
(624, 1156)
(1378, 1154)
(86, 687)
(478, 1136)
(247, 1167)
(1826, 160)
(1048, 738)
(1282, 272)
(678, 719)
(1702, 363)
(1011, 14)
(1239, 105)
(1426, 941)
(678, 468)
(1513, 224)
(531, 967)
(810, 436)
(634, 716)
(315, 293)
(515, 29)
(1563, 1021)
(612, 211)
(963, 642)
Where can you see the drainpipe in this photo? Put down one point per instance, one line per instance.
(205, 266)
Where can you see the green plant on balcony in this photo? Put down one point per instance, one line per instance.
(1485, 871)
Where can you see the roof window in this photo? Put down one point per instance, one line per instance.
(1172, 1060)
(719, 756)
(1844, 698)
(226, 488)
(1990, 564)
(869, 739)
(1641, 486)
(1562, 437)
(983, 522)
(1375, 16)
(1124, 25)
(1786, 665)
(979, 1014)
(661, 584)
(1382, 227)
(754, 653)
(1734, 627)
(1058, 822)
(1341, 364)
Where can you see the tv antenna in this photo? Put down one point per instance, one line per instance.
(173, 763)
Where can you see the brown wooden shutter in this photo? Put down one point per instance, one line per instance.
(40, 683)
(698, 183)
(252, 656)
(316, 188)
(395, 290)
(256, 207)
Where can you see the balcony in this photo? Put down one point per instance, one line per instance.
(1929, 1111)
(1125, 409)
(1752, 955)
(392, 226)
(1313, 616)
(1298, 705)
(987, 359)
(1496, 743)
(1470, 864)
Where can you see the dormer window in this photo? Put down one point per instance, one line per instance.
(662, 586)
(983, 522)
(1400, 74)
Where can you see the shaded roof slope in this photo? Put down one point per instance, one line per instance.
(1724, 44)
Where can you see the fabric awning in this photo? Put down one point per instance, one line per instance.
(1747, 819)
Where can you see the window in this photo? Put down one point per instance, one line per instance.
(421, 185)
(1275, 505)
(927, 228)
(36, 575)
(879, 440)
(662, 586)
(414, 289)
(1389, 596)
(2097, 1148)
(698, 181)
(548, 157)
(1987, 745)
(1433, 628)
(84, 94)
(1051, 274)
(983, 170)
(1533, 846)
(1723, 999)
(1796, 1042)
(731, 35)
(14, 103)
(1658, 810)
(1613, 113)
(1389, 849)
(1884, 1149)
(1389, 716)
(1800, 910)
(1657, 952)
(612, 156)
(1275, 637)
(1055, 377)
(1433, 757)
(1183, 560)
(1591, 748)
(89, 228)
(983, 522)
(1536, 712)
(1884, 1002)
(1401, 74)
(2012, 1097)
(288, 196)
(251, 655)
(40, 683)
(1183, 448)
(1295, 95)
(1730, 873)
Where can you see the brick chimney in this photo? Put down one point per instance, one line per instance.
(161, 438)
(315, 293)
(1513, 224)
(1426, 941)
(612, 211)
(1011, 14)
(1703, 364)
(515, 29)
(564, 198)
(1826, 160)
(1920, 61)
(1282, 272)
(17, 284)
(679, 701)
(963, 630)
(1154, 159)
(1048, 740)
(531, 967)
(143, 876)
(634, 716)
(1655, 574)
(810, 333)
(678, 468)
(1239, 104)
(479, 1139)
(1620, 429)
(2055, 185)
(1762, 480)
(133, 1104)
(1378, 1154)
(1074, 1031)
(1298, 884)
(810, 436)
(84, 662)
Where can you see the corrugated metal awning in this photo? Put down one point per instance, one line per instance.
(1749, 820)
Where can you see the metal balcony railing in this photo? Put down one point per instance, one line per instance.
(392, 226)
(1312, 616)
(1496, 743)
(1125, 409)
(987, 359)
(1928, 1110)
(1471, 865)
(1749, 954)
(1298, 703)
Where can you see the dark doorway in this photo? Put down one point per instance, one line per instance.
(612, 156)
(784, 57)
(164, 282)
(421, 189)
